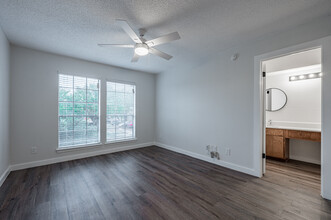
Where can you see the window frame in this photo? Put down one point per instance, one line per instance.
(85, 145)
(134, 138)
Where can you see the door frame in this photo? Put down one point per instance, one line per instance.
(259, 113)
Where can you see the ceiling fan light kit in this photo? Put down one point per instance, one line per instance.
(141, 49)
(141, 46)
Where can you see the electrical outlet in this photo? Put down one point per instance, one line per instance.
(228, 152)
(33, 150)
(217, 155)
(212, 154)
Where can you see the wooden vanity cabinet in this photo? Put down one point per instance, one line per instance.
(277, 141)
(276, 144)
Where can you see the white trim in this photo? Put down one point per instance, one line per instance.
(210, 160)
(77, 147)
(121, 141)
(326, 196)
(4, 175)
(77, 156)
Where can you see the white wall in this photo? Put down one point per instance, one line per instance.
(34, 87)
(4, 105)
(213, 102)
(303, 106)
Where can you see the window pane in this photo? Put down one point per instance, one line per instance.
(66, 123)
(93, 123)
(92, 96)
(92, 109)
(66, 138)
(80, 95)
(92, 84)
(111, 98)
(129, 133)
(80, 123)
(111, 134)
(80, 82)
(92, 135)
(65, 108)
(120, 87)
(129, 104)
(80, 137)
(111, 86)
(78, 110)
(65, 94)
(66, 81)
(111, 121)
(120, 103)
(129, 89)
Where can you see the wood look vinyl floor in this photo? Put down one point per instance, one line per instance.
(153, 183)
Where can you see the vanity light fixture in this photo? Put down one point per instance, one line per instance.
(305, 76)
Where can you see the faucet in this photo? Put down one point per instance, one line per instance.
(269, 122)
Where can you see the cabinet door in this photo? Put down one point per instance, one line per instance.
(269, 145)
(278, 147)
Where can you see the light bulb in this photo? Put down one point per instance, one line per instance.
(292, 78)
(141, 49)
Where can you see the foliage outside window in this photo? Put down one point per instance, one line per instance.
(78, 113)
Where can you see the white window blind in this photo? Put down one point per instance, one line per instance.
(121, 111)
(78, 113)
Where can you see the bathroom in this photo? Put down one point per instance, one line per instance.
(293, 111)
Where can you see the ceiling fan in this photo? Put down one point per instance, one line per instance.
(143, 47)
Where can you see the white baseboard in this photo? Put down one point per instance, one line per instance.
(210, 160)
(326, 196)
(4, 175)
(308, 160)
(76, 156)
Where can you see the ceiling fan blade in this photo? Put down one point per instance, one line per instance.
(116, 45)
(135, 58)
(126, 27)
(163, 39)
(160, 53)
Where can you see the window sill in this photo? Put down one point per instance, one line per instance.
(77, 147)
(121, 141)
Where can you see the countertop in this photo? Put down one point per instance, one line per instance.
(295, 128)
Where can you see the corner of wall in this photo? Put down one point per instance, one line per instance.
(5, 105)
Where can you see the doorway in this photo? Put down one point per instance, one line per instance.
(292, 116)
(259, 129)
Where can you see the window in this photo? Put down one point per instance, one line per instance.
(121, 111)
(78, 111)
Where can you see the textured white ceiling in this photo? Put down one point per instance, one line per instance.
(75, 27)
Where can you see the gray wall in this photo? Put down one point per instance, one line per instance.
(213, 102)
(34, 87)
(4, 103)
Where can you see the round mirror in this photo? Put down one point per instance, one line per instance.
(275, 99)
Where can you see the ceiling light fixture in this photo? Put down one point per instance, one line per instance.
(305, 76)
(141, 49)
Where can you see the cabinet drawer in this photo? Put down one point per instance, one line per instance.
(273, 131)
(305, 135)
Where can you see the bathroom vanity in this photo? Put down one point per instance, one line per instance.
(277, 140)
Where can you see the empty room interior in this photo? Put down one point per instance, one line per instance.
(167, 109)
